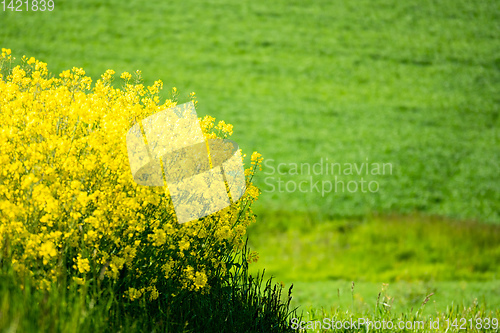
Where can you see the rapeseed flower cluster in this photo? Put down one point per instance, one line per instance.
(69, 207)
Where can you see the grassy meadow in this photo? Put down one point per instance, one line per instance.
(413, 84)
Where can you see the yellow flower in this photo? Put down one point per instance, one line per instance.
(66, 184)
(153, 294)
(200, 280)
(253, 257)
(256, 158)
(184, 245)
(126, 76)
(158, 238)
(80, 281)
(223, 233)
(82, 264)
(252, 191)
(47, 250)
(134, 294)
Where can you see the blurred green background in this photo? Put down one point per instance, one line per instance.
(412, 83)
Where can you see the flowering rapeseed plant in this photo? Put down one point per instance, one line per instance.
(69, 208)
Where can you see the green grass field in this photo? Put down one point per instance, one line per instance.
(414, 256)
(413, 84)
